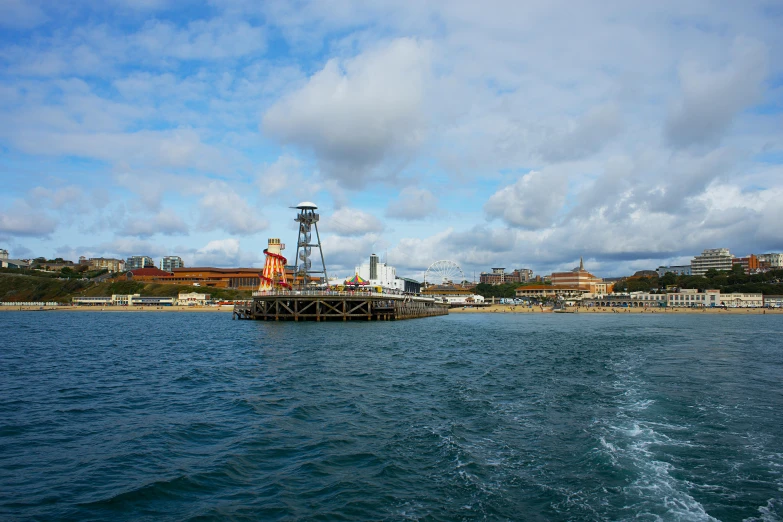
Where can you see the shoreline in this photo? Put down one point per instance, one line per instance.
(502, 309)
(134, 309)
(517, 309)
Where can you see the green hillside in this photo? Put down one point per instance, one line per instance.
(17, 287)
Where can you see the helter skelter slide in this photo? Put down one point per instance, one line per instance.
(273, 275)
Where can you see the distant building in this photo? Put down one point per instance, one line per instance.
(14, 263)
(192, 298)
(496, 277)
(549, 292)
(110, 264)
(770, 260)
(147, 274)
(3, 254)
(521, 275)
(169, 263)
(410, 286)
(83, 260)
(773, 301)
(717, 258)
(738, 300)
(691, 298)
(680, 270)
(135, 262)
(380, 274)
(580, 279)
(749, 264)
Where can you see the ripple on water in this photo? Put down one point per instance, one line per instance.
(177, 416)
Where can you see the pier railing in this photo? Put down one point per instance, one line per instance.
(335, 293)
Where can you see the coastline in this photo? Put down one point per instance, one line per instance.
(134, 309)
(497, 308)
(492, 309)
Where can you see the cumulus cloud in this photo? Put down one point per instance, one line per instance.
(584, 136)
(412, 204)
(353, 222)
(530, 203)
(21, 219)
(712, 98)
(355, 113)
(219, 253)
(165, 222)
(222, 208)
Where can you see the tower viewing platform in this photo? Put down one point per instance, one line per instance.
(326, 305)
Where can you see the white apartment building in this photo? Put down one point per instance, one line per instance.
(717, 258)
(135, 262)
(380, 274)
(192, 298)
(691, 298)
(169, 263)
(738, 300)
(773, 301)
(771, 260)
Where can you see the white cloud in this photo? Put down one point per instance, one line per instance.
(21, 219)
(530, 203)
(165, 222)
(353, 222)
(711, 99)
(355, 113)
(219, 253)
(412, 204)
(222, 208)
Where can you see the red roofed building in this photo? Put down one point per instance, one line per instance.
(147, 274)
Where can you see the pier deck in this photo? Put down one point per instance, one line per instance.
(336, 306)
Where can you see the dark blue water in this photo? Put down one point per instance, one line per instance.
(160, 416)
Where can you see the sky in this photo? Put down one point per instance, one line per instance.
(493, 134)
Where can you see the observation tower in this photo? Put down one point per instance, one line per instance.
(273, 275)
(308, 221)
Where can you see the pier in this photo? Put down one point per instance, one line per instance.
(319, 306)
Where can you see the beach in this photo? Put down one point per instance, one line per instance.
(517, 309)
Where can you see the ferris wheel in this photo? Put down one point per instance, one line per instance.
(442, 272)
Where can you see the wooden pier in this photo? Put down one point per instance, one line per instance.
(336, 306)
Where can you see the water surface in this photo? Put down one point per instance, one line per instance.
(498, 416)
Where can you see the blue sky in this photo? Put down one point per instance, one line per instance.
(514, 134)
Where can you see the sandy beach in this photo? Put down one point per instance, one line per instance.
(503, 309)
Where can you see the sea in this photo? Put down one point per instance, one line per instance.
(193, 416)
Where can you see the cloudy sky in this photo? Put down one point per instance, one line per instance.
(501, 133)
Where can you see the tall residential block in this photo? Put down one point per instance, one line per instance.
(717, 258)
(771, 260)
(136, 262)
(169, 263)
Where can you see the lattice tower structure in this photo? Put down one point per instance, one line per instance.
(306, 243)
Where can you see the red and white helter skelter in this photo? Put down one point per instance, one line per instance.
(273, 275)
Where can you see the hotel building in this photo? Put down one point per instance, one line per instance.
(717, 258)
